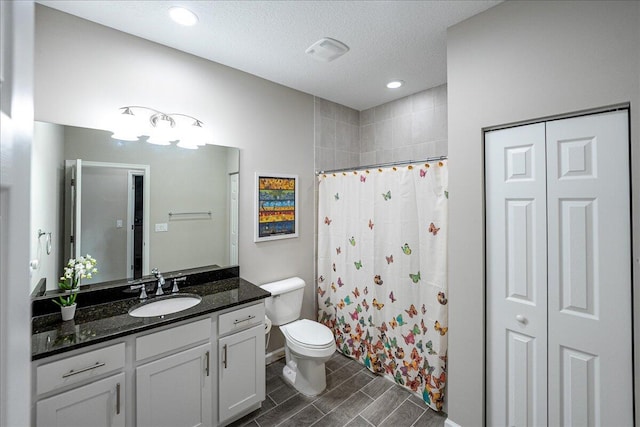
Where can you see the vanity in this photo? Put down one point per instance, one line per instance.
(202, 366)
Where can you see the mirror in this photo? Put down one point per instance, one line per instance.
(135, 206)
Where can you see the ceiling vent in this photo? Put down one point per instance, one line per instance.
(326, 49)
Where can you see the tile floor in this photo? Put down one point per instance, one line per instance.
(354, 397)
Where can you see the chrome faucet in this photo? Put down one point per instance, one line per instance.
(175, 284)
(158, 275)
(143, 290)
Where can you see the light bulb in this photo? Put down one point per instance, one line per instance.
(187, 145)
(195, 134)
(161, 131)
(127, 126)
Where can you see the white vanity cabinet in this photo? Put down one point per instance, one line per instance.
(96, 403)
(203, 372)
(241, 362)
(175, 390)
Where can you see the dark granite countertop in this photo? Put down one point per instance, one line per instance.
(103, 322)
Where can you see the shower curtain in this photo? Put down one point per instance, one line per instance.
(382, 271)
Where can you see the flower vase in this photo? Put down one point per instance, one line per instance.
(68, 311)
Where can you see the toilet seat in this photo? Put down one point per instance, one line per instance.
(308, 338)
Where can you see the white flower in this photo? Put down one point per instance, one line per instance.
(80, 268)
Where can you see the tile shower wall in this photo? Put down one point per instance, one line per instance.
(337, 135)
(410, 128)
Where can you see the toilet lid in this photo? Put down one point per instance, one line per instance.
(309, 333)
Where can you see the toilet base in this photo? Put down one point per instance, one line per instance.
(308, 376)
(289, 374)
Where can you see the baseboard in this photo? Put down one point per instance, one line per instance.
(449, 423)
(274, 355)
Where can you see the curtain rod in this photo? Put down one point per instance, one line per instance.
(380, 165)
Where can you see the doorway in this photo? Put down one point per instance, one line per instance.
(135, 223)
(108, 217)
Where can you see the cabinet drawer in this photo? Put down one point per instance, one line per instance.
(172, 339)
(241, 319)
(78, 368)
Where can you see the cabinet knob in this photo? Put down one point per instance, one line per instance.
(520, 318)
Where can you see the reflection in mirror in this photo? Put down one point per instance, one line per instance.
(96, 193)
(136, 205)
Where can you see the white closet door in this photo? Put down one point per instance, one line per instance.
(516, 276)
(590, 366)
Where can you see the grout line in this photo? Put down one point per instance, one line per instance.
(319, 410)
(399, 405)
(419, 416)
(344, 381)
(276, 405)
(414, 404)
(275, 389)
(294, 414)
(366, 420)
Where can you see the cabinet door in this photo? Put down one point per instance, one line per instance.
(97, 404)
(241, 371)
(175, 391)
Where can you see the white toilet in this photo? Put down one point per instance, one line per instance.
(308, 344)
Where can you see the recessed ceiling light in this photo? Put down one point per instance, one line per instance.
(395, 84)
(183, 16)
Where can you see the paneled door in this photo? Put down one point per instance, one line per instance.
(559, 277)
(516, 236)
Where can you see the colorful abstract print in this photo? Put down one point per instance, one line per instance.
(382, 271)
(277, 202)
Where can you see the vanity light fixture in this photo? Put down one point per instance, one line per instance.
(395, 84)
(183, 16)
(160, 128)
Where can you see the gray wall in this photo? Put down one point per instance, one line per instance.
(16, 134)
(85, 72)
(337, 135)
(47, 191)
(520, 61)
(410, 128)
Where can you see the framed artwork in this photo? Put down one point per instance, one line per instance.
(276, 212)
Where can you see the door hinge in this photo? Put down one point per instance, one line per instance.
(73, 182)
(71, 239)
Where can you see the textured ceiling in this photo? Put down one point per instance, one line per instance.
(388, 40)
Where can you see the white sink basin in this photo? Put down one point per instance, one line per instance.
(166, 305)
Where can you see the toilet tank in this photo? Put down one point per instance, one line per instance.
(285, 304)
